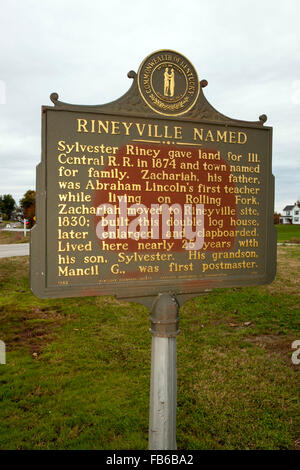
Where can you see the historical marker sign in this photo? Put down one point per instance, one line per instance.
(154, 192)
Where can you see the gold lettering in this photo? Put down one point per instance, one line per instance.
(81, 124)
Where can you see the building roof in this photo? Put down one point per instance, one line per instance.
(288, 208)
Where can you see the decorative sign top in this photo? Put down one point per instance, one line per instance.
(168, 83)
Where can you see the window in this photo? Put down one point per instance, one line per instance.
(296, 219)
(296, 212)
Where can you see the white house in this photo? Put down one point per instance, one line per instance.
(290, 215)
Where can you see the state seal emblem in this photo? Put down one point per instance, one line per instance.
(168, 83)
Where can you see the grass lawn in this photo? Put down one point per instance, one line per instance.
(13, 237)
(288, 233)
(78, 370)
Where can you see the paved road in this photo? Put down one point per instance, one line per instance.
(14, 249)
(14, 230)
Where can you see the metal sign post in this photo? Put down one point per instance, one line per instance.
(163, 387)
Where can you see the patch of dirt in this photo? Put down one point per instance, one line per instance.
(277, 345)
(32, 329)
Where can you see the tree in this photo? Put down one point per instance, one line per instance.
(27, 204)
(7, 206)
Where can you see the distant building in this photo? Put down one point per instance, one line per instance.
(290, 215)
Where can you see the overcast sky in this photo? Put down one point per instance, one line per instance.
(247, 50)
